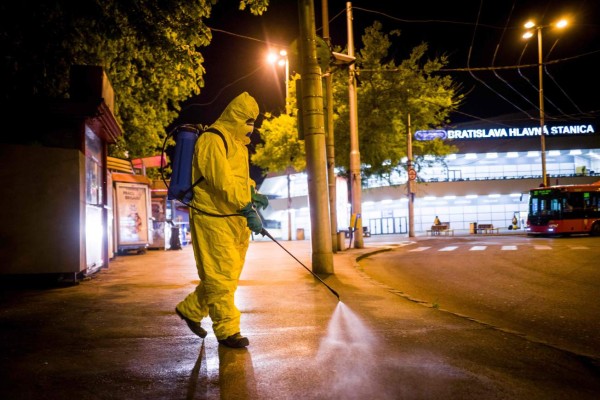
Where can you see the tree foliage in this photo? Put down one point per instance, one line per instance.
(387, 93)
(150, 50)
(280, 146)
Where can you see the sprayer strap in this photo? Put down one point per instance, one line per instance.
(213, 130)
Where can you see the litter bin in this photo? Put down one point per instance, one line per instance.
(341, 240)
(300, 234)
(473, 227)
(175, 242)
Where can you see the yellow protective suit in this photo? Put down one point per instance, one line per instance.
(220, 243)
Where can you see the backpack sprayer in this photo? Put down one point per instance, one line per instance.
(181, 186)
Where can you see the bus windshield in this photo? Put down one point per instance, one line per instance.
(547, 202)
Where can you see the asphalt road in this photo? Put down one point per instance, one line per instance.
(543, 289)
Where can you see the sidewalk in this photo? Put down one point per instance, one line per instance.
(115, 336)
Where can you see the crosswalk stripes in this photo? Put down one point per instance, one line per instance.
(502, 248)
(478, 248)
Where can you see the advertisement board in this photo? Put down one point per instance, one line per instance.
(132, 214)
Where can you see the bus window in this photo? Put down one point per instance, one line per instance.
(533, 206)
(576, 200)
(594, 201)
(555, 206)
(587, 201)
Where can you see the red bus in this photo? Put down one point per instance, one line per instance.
(565, 209)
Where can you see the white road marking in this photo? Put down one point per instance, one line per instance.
(449, 248)
(478, 248)
(509, 247)
(420, 249)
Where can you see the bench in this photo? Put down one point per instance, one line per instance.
(443, 228)
(366, 232)
(487, 228)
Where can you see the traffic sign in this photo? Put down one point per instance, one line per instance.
(412, 174)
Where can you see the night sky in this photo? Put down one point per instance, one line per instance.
(475, 34)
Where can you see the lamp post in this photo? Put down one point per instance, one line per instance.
(531, 25)
(281, 58)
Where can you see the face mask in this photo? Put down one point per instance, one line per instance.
(249, 129)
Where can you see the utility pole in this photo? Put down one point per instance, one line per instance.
(541, 95)
(355, 179)
(412, 175)
(313, 122)
(329, 139)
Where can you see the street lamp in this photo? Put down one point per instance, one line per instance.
(281, 59)
(531, 25)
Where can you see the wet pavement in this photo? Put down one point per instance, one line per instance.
(116, 336)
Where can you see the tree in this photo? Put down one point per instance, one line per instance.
(148, 48)
(280, 146)
(387, 93)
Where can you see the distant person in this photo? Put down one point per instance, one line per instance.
(568, 207)
(436, 221)
(514, 223)
(222, 212)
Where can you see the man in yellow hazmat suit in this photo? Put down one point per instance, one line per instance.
(223, 208)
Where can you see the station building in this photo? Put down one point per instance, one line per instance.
(486, 181)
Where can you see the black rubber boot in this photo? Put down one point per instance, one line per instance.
(193, 325)
(235, 341)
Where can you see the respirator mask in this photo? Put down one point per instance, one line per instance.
(249, 127)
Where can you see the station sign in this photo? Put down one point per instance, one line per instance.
(506, 132)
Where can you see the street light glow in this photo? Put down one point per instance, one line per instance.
(272, 57)
(281, 58)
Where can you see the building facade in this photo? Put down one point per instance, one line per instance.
(486, 181)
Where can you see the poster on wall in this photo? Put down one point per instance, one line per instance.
(132, 207)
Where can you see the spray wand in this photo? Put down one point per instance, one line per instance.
(264, 232)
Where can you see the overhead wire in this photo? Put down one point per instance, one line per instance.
(559, 86)
(519, 68)
(476, 78)
(493, 67)
(536, 88)
(494, 61)
(422, 21)
(469, 69)
(221, 91)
